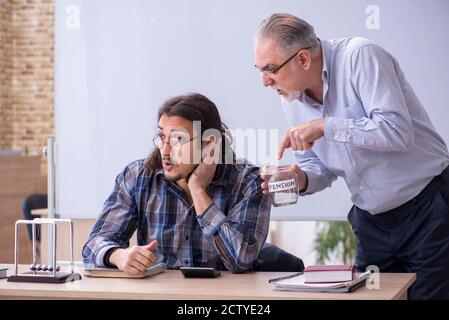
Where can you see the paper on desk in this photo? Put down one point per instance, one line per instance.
(297, 283)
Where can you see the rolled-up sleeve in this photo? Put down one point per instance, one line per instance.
(117, 221)
(239, 235)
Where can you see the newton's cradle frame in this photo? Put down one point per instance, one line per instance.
(50, 273)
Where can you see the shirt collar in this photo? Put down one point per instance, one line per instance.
(326, 52)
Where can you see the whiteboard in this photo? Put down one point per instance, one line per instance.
(117, 61)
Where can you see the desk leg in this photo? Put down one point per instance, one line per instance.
(403, 296)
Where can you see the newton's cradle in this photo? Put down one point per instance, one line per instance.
(46, 273)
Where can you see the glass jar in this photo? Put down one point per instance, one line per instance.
(282, 184)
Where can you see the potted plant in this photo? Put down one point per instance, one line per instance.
(334, 239)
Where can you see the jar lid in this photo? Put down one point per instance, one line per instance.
(273, 169)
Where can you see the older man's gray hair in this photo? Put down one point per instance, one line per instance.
(290, 32)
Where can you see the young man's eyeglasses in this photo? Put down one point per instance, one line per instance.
(174, 140)
(272, 71)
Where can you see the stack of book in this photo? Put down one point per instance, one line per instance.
(326, 274)
(322, 279)
(3, 272)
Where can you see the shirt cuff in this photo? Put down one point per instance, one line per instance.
(99, 259)
(211, 220)
(312, 186)
(106, 261)
(336, 129)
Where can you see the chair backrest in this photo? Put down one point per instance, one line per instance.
(273, 258)
(31, 202)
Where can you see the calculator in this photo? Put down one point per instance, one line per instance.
(199, 272)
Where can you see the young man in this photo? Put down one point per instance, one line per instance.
(189, 201)
(354, 115)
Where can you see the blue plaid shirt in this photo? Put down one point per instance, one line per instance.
(228, 235)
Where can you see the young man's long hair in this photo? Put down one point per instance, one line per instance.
(195, 107)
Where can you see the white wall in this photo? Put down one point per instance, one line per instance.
(126, 57)
(295, 237)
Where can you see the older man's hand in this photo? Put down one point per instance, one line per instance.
(302, 137)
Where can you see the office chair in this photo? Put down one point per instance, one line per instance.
(273, 258)
(31, 202)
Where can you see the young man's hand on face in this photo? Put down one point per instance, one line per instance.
(135, 259)
(203, 174)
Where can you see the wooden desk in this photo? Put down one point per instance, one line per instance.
(172, 285)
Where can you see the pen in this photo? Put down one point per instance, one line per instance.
(285, 277)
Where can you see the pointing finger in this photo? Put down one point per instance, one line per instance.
(285, 143)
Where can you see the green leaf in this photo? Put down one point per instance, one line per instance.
(334, 238)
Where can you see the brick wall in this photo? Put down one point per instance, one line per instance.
(5, 73)
(26, 78)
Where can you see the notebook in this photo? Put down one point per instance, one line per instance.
(116, 273)
(296, 282)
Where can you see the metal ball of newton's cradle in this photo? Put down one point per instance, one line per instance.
(39, 267)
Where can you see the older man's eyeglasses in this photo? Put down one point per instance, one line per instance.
(272, 71)
(174, 140)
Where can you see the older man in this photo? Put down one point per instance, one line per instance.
(354, 115)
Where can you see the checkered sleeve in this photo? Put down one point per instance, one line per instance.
(117, 221)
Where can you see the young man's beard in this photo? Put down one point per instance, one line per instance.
(177, 176)
(173, 179)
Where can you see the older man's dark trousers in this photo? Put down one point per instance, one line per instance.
(411, 238)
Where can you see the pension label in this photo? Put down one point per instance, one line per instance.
(281, 185)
